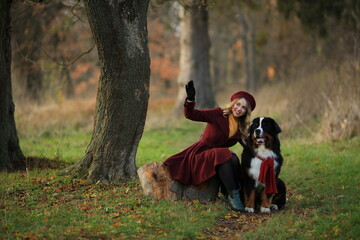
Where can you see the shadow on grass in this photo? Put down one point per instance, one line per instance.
(41, 163)
(235, 224)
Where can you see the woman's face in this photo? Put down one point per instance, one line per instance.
(239, 108)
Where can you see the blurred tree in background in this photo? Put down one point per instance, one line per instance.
(194, 61)
(319, 16)
(49, 37)
(163, 22)
(250, 44)
(28, 42)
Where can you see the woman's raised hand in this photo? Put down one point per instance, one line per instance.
(190, 90)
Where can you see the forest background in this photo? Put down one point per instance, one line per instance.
(300, 59)
(307, 77)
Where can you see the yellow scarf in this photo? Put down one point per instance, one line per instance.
(233, 125)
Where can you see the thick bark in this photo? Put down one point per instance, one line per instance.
(194, 54)
(120, 32)
(11, 156)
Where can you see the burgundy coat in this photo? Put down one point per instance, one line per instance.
(197, 163)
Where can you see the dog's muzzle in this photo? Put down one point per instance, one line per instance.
(258, 136)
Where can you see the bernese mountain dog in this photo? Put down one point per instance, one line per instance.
(261, 163)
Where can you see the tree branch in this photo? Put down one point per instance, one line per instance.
(64, 65)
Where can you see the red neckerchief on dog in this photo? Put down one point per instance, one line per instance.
(267, 175)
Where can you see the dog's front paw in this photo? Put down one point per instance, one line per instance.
(264, 210)
(274, 207)
(249, 210)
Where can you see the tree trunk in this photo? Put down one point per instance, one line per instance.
(66, 81)
(120, 33)
(194, 54)
(219, 59)
(33, 77)
(11, 156)
(29, 26)
(248, 39)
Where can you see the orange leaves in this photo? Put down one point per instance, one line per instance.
(86, 206)
(234, 223)
(117, 224)
(230, 216)
(164, 55)
(193, 219)
(84, 182)
(164, 68)
(30, 236)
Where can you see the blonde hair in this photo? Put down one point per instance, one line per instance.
(244, 121)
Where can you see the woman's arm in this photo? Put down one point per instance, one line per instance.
(200, 115)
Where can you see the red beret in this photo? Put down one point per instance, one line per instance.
(247, 96)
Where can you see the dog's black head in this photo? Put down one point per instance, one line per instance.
(264, 131)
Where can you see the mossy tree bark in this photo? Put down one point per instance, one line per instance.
(11, 156)
(120, 33)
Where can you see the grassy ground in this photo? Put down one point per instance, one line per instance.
(323, 184)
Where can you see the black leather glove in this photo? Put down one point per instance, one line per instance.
(190, 90)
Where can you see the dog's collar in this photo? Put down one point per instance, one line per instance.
(264, 159)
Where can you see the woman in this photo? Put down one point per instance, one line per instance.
(211, 154)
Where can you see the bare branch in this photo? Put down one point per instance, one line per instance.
(73, 12)
(61, 64)
(64, 65)
(26, 58)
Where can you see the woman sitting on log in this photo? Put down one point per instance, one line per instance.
(211, 154)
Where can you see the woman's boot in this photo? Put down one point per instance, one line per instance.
(235, 201)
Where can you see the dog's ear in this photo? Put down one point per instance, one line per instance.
(251, 128)
(248, 146)
(276, 127)
(248, 141)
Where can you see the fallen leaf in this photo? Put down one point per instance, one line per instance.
(336, 230)
(192, 219)
(117, 224)
(230, 215)
(83, 182)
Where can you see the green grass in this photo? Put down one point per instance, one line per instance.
(49, 207)
(41, 204)
(322, 179)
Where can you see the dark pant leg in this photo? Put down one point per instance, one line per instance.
(227, 174)
(236, 166)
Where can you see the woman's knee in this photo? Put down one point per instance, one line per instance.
(235, 160)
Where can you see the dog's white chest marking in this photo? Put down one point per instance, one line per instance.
(254, 170)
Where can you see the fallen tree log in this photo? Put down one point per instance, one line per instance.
(156, 181)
